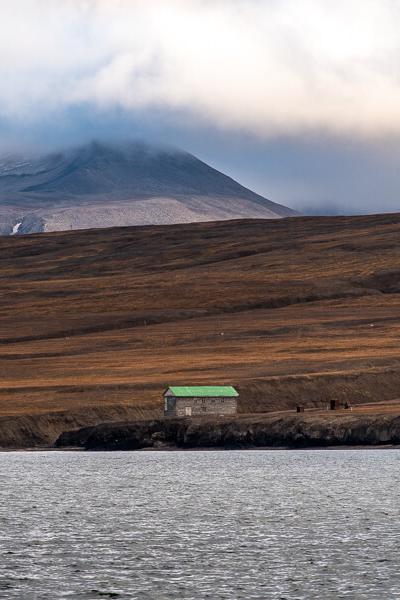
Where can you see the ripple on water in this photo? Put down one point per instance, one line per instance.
(259, 525)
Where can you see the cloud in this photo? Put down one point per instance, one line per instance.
(264, 67)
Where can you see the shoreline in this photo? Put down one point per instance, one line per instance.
(268, 431)
(78, 449)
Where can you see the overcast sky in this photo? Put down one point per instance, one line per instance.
(298, 99)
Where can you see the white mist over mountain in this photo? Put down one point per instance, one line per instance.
(307, 92)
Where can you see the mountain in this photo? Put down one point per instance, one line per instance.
(103, 185)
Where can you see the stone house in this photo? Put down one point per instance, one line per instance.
(203, 400)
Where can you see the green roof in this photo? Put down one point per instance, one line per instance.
(211, 391)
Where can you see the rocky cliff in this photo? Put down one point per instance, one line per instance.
(41, 430)
(291, 431)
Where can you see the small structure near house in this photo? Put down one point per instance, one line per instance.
(338, 404)
(201, 400)
(299, 408)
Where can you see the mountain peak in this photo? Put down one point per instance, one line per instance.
(131, 183)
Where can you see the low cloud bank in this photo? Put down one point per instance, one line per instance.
(265, 68)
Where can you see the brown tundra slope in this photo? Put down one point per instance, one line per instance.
(294, 310)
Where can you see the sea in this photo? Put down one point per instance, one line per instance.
(218, 525)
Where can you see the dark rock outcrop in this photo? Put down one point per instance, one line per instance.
(294, 431)
(29, 431)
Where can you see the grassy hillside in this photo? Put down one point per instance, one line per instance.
(300, 309)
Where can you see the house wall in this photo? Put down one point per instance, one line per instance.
(181, 407)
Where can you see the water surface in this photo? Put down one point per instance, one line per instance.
(279, 525)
